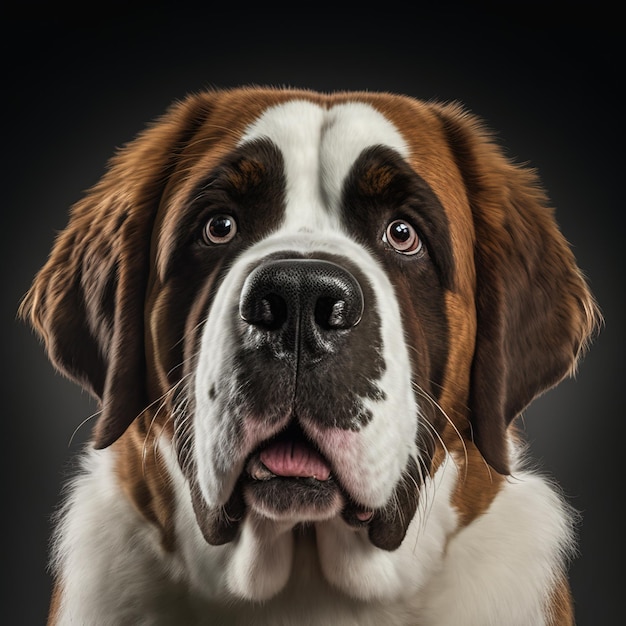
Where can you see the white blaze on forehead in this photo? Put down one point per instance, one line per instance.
(319, 147)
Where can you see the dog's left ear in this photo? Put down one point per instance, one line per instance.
(535, 314)
(87, 302)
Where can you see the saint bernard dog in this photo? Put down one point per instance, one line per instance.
(311, 321)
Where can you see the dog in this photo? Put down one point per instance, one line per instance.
(311, 321)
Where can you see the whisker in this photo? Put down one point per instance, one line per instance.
(422, 392)
(87, 419)
(162, 400)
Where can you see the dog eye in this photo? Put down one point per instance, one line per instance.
(402, 237)
(219, 229)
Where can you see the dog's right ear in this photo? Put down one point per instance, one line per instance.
(87, 302)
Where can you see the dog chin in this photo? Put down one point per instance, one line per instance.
(285, 499)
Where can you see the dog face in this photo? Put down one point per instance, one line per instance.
(301, 360)
(313, 297)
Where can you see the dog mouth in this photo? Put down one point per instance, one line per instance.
(287, 477)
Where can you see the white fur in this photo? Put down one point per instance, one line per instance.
(494, 572)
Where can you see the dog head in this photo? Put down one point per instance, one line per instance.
(312, 295)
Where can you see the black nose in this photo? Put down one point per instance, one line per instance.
(301, 306)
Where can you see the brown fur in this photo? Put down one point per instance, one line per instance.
(561, 606)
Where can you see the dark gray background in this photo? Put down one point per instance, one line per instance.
(76, 88)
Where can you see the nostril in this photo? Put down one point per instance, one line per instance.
(268, 312)
(330, 314)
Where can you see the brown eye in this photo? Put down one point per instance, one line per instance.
(402, 237)
(220, 229)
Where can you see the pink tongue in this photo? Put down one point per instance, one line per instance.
(288, 458)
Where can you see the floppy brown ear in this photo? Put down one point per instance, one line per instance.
(535, 314)
(87, 302)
